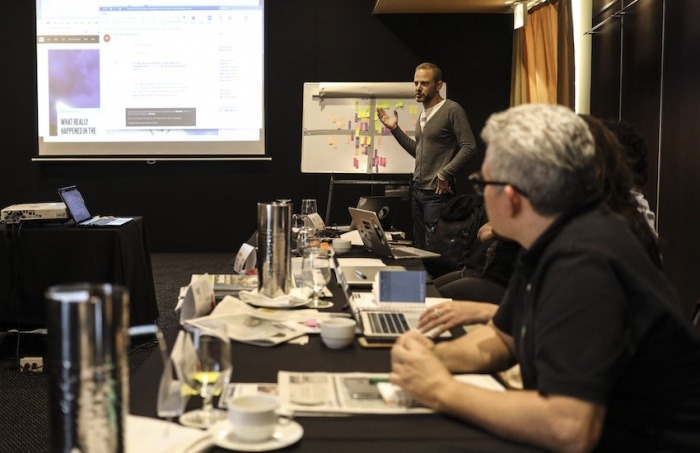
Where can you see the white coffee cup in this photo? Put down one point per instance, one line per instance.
(253, 417)
(341, 245)
(338, 333)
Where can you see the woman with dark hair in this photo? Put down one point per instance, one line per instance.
(617, 182)
(635, 151)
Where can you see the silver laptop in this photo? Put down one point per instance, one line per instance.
(79, 212)
(384, 206)
(375, 240)
(382, 322)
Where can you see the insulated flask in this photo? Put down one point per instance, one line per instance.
(274, 250)
(88, 369)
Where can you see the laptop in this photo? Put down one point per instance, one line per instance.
(386, 321)
(384, 206)
(80, 214)
(383, 322)
(375, 240)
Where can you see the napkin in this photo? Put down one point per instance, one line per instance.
(154, 436)
(297, 295)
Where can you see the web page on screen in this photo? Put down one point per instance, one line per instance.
(170, 77)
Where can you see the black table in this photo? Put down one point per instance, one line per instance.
(357, 433)
(36, 256)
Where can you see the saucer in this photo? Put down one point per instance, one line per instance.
(286, 433)
(271, 303)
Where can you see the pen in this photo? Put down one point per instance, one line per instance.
(361, 274)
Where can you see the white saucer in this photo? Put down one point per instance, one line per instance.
(275, 304)
(286, 433)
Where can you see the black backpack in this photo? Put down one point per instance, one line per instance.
(455, 235)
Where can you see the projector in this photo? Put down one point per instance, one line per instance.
(34, 211)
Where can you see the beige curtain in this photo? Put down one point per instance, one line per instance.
(543, 56)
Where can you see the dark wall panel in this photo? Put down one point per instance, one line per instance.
(605, 67)
(679, 216)
(641, 79)
(210, 206)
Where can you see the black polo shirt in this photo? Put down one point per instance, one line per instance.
(593, 318)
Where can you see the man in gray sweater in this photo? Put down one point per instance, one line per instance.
(444, 143)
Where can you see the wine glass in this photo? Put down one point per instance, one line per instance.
(307, 240)
(316, 273)
(308, 206)
(206, 371)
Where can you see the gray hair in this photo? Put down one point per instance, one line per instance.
(546, 151)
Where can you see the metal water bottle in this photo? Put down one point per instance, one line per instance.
(274, 249)
(87, 362)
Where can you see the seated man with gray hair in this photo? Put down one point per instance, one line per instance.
(608, 359)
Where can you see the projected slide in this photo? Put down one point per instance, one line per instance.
(170, 77)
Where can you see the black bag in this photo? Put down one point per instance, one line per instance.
(455, 235)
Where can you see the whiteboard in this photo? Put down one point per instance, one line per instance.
(341, 132)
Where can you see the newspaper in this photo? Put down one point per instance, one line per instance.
(320, 393)
(336, 393)
(262, 326)
(229, 282)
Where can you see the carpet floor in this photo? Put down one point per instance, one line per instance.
(24, 397)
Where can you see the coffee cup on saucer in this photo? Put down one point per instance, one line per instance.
(338, 333)
(253, 417)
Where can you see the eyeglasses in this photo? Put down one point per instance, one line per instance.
(480, 184)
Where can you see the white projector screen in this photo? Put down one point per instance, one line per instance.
(150, 78)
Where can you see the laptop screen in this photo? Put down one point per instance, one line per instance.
(384, 206)
(75, 203)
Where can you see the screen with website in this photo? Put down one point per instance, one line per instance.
(164, 77)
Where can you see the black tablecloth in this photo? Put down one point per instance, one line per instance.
(34, 257)
(357, 433)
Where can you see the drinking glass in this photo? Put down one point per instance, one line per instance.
(206, 371)
(307, 240)
(308, 206)
(316, 273)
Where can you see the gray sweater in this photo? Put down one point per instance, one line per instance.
(444, 146)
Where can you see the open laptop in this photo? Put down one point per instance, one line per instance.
(384, 206)
(375, 240)
(384, 322)
(79, 212)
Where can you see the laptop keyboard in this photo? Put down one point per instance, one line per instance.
(388, 323)
(102, 221)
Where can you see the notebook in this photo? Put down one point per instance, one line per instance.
(384, 206)
(79, 212)
(375, 240)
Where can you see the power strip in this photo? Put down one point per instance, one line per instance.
(31, 364)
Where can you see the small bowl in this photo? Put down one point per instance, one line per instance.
(338, 333)
(341, 245)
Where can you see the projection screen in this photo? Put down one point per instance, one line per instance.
(153, 78)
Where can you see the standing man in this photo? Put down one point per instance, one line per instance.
(609, 359)
(444, 143)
